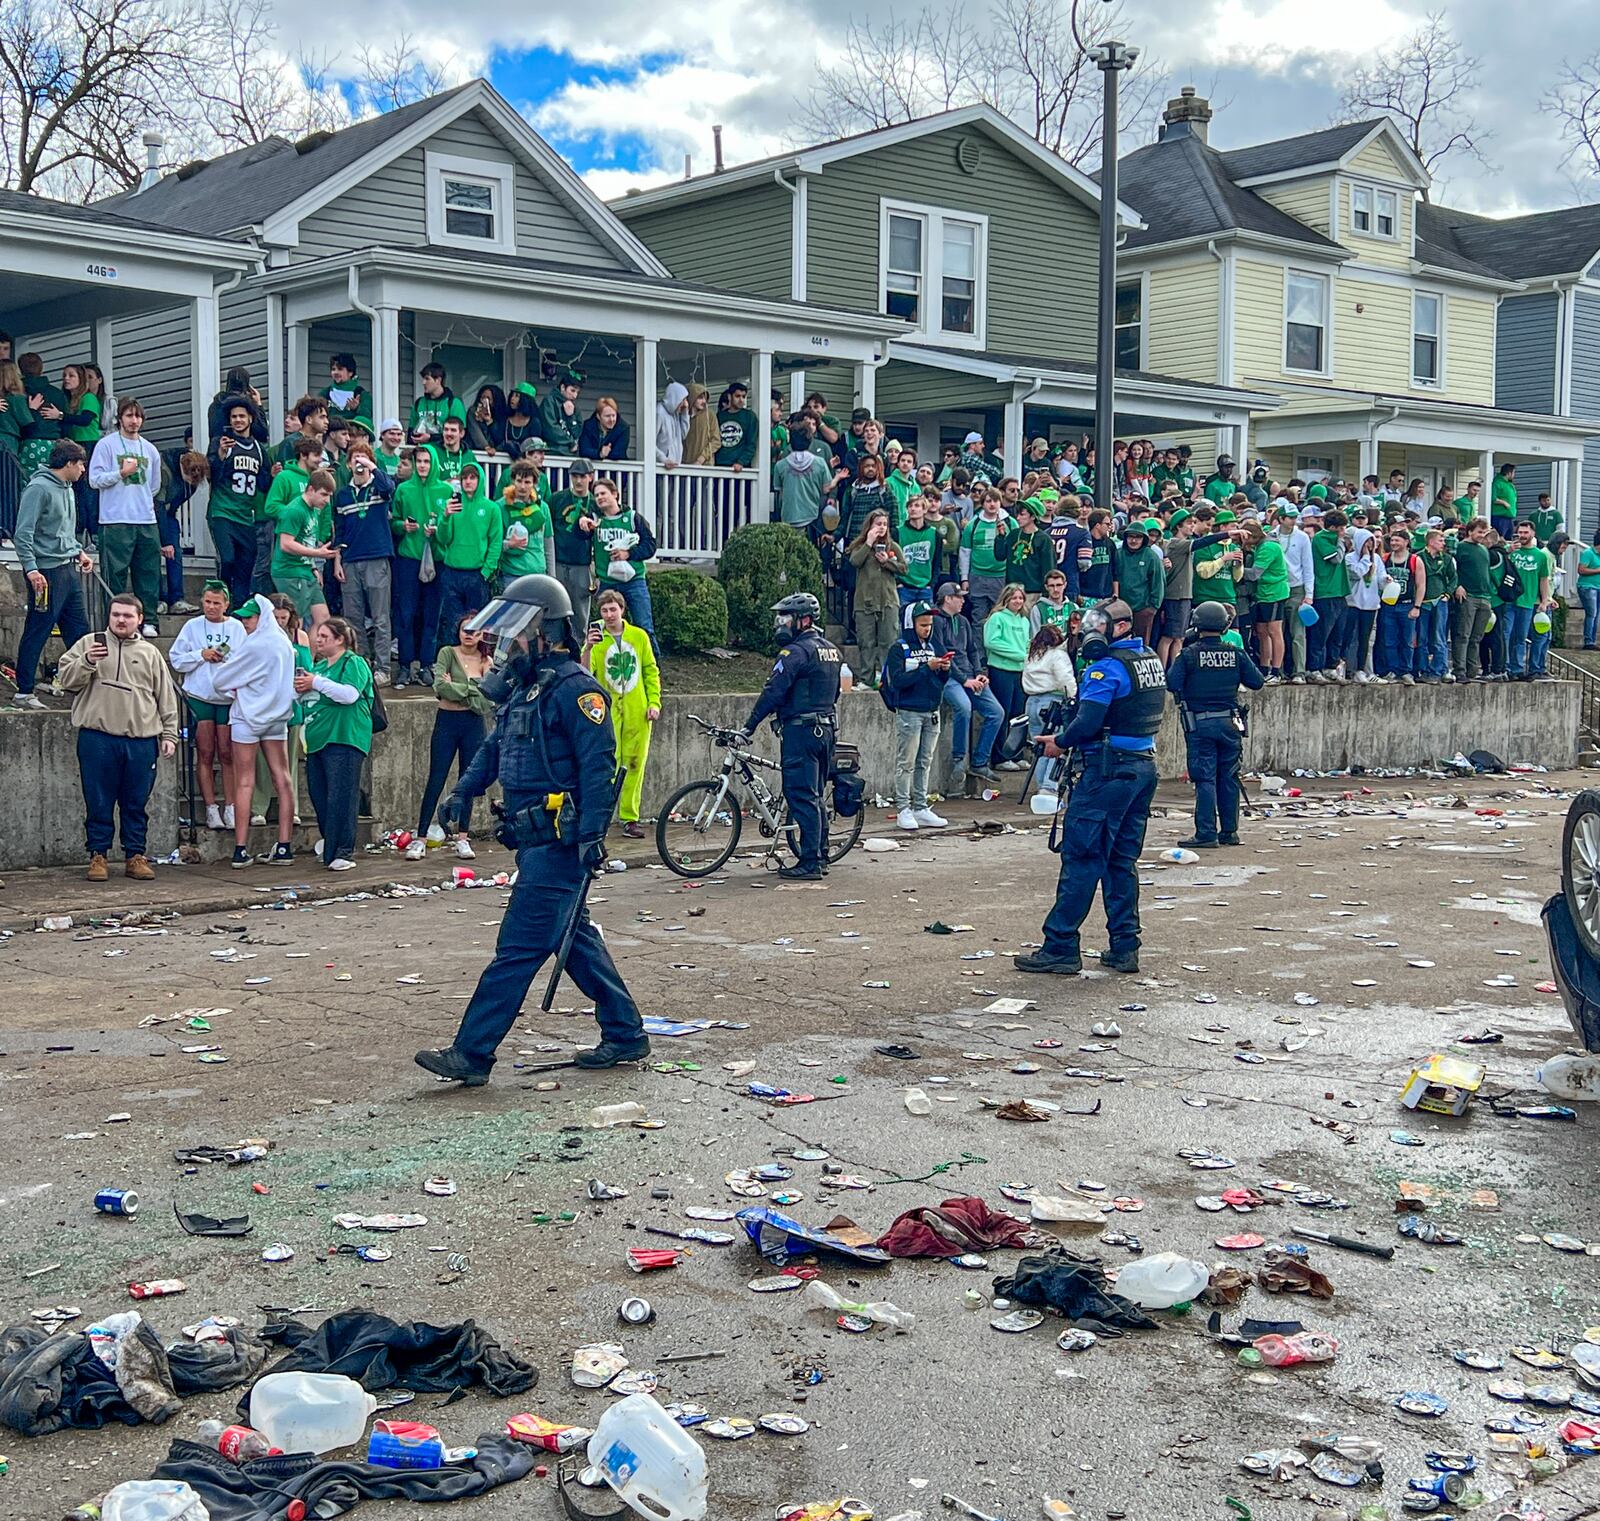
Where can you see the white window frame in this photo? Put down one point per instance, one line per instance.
(1142, 280)
(1376, 197)
(933, 219)
(1326, 282)
(1316, 467)
(1358, 195)
(1437, 382)
(498, 173)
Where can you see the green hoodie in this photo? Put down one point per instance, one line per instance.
(738, 433)
(430, 412)
(532, 558)
(469, 537)
(419, 501)
(287, 487)
(1141, 577)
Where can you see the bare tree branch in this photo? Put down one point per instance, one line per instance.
(398, 74)
(1575, 103)
(1426, 86)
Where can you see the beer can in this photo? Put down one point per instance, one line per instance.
(117, 1201)
(1447, 1486)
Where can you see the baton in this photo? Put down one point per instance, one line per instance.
(570, 933)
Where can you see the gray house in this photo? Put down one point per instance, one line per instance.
(1547, 353)
(447, 230)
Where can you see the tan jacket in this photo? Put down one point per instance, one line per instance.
(129, 693)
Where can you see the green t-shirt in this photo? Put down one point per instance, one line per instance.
(1589, 566)
(340, 723)
(1220, 491)
(1472, 569)
(987, 541)
(87, 433)
(918, 546)
(1331, 576)
(1216, 588)
(1530, 565)
(299, 520)
(530, 559)
(1503, 498)
(1272, 585)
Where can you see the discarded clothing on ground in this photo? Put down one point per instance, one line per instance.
(380, 1353)
(265, 1488)
(778, 1237)
(218, 1362)
(956, 1226)
(1076, 1288)
(138, 1362)
(54, 1382)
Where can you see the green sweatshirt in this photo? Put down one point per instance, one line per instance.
(1141, 577)
(469, 537)
(1331, 574)
(1545, 522)
(901, 489)
(1272, 585)
(531, 559)
(1219, 586)
(12, 422)
(739, 433)
(919, 546)
(430, 412)
(288, 485)
(1440, 570)
(987, 544)
(1005, 639)
(1503, 498)
(1472, 569)
(355, 398)
(420, 501)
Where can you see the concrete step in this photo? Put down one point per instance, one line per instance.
(217, 845)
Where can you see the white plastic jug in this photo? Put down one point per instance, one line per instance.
(310, 1412)
(1570, 1076)
(1159, 1282)
(650, 1460)
(153, 1500)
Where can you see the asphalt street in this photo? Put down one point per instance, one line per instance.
(1287, 987)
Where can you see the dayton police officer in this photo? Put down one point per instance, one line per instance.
(1205, 679)
(801, 694)
(1120, 702)
(554, 754)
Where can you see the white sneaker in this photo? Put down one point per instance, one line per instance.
(181, 606)
(258, 818)
(464, 850)
(1012, 765)
(380, 678)
(227, 816)
(214, 817)
(415, 851)
(1363, 678)
(435, 835)
(316, 849)
(26, 700)
(150, 631)
(1297, 680)
(906, 819)
(340, 864)
(927, 819)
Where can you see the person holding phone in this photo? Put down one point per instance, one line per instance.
(619, 657)
(125, 709)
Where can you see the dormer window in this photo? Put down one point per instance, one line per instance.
(1374, 213)
(470, 202)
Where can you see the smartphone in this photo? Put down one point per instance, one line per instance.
(596, 627)
(102, 641)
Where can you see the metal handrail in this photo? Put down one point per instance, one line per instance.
(1588, 694)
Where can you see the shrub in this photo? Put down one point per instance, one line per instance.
(690, 609)
(761, 563)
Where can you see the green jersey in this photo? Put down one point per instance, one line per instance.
(918, 546)
(1331, 575)
(1054, 614)
(340, 723)
(299, 520)
(233, 494)
(609, 534)
(986, 540)
(1531, 565)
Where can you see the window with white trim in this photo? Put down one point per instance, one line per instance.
(1374, 213)
(1315, 467)
(470, 202)
(1305, 322)
(1427, 332)
(1129, 325)
(933, 269)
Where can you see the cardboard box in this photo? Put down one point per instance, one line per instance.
(1443, 1085)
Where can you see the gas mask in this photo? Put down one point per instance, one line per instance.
(1094, 632)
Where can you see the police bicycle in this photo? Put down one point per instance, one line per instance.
(697, 829)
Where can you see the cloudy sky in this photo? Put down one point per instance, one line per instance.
(627, 87)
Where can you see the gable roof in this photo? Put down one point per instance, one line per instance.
(101, 213)
(815, 159)
(1285, 155)
(272, 184)
(1186, 192)
(1540, 246)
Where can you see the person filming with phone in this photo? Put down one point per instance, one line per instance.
(125, 709)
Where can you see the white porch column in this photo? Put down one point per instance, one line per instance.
(866, 387)
(1012, 454)
(385, 364)
(104, 356)
(1241, 449)
(276, 405)
(1486, 475)
(797, 390)
(205, 364)
(1572, 506)
(761, 385)
(644, 407)
(928, 440)
(299, 362)
(1368, 462)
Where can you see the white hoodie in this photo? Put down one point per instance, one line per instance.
(199, 676)
(1367, 576)
(125, 501)
(672, 426)
(258, 677)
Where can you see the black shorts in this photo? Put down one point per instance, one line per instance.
(1175, 617)
(1271, 612)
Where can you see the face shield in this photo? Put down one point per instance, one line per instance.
(507, 621)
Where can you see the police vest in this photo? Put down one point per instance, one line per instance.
(1212, 671)
(1138, 715)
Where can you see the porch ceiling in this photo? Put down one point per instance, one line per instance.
(40, 304)
(1442, 425)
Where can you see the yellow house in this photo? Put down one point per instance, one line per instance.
(1309, 268)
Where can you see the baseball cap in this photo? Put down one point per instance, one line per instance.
(1287, 510)
(391, 422)
(973, 438)
(948, 589)
(249, 608)
(532, 444)
(921, 610)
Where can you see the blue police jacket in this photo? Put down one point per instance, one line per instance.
(554, 735)
(804, 680)
(1105, 682)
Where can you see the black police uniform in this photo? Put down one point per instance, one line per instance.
(553, 737)
(1205, 679)
(801, 693)
(1120, 702)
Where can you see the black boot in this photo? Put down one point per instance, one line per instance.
(1229, 839)
(609, 1053)
(1039, 961)
(449, 1063)
(1195, 843)
(1120, 961)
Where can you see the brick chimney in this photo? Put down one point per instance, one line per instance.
(1187, 115)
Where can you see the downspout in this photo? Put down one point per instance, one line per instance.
(1372, 432)
(797, 242)
(356, 303)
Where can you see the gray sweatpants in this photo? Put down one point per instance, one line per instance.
(1297, 630)
(576, 579)
(368, 586)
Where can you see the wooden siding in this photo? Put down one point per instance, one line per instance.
(912, 389)
(1525, 361)
(1305, 200)
(741, 240)
(1469, 348)
(1586, 398)
(1386, 253)
(1258, 323)
(1181, 325)
(390, 206)
(1042, 254)
(1378, 160)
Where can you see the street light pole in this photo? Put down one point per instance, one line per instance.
(1112, 58)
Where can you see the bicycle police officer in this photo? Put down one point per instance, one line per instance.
(1121, 698)
(801, 693)
(1205, 681)
(554, 753)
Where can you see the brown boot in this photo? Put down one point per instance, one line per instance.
(97, 868)
(140, 869)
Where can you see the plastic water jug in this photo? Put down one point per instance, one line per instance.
(1159, 1282)
(310, 1412)
(153, 1500)
(650, 1460)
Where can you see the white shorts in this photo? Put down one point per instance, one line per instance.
(244, 734)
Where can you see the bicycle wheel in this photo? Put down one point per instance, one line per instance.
(842, 834)
(697, 829)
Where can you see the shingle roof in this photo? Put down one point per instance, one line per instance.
(1182, 189)
(102, 212)
(1439, 244)
(1520, 248)
(1287, 154)
(238, 189)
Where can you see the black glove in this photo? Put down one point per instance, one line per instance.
(454, 813)
(591, 854)
(740, 737)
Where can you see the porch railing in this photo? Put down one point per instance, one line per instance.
(627, 474)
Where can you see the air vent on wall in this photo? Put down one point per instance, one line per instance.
(969, 155)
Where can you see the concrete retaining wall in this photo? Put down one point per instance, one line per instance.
(1319, 728)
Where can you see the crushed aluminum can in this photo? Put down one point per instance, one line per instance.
(1017, 1320)
(730, 1428)
(634, 1381)
(278, 1252)
(687, 1414)
(636, 1311)
(783, 1424)
(1076, 1340)
(1421, 1402)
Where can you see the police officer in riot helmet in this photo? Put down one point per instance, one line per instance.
(554, 753)
(800, 696)
(1205, 679)
(1121, 698)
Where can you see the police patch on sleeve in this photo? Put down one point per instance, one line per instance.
(1095, 675)
(593, 707)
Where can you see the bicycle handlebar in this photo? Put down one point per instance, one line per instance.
(725, 737)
